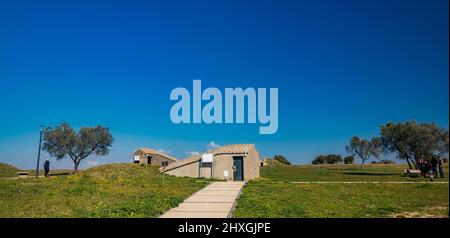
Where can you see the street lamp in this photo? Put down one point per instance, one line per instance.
(39, 151)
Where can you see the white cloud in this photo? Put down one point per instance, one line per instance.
(212, 145)
(192, 153)
(164, 151)
(92, 163)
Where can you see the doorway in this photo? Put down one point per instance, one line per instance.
(149, 160)
(238, 168)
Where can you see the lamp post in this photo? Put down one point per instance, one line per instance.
(39, 151)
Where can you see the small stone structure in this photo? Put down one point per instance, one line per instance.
(22, 174)
(237, 162)
(153, 157)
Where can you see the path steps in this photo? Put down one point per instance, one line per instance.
(217, 200)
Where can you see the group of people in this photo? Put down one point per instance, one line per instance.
(432, 167)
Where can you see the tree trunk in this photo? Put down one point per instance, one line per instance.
(409, 160)
(409, 163)
(415, 163)
(75, 169)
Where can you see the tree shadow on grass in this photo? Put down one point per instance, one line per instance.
(59, 174)
(369, 174)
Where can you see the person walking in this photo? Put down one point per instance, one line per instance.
(441, 167)
(46, 167)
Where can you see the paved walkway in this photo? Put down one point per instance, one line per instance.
(216, 200)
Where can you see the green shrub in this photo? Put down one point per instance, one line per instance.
(7, 170)
(384, 161)
(349, 159)
(327, 159)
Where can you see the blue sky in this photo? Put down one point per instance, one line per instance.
(342, 68)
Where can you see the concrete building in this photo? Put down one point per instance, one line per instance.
(238, 162)
(264, 162)
(151, 156)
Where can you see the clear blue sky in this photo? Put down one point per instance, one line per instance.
(343, 68)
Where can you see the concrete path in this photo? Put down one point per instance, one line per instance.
(216, 200)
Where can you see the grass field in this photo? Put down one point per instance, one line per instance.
(340, 172)
(53, 172)
(115, 190)
(131, 190)
(274, 196)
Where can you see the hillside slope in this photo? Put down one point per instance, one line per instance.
(114, 190)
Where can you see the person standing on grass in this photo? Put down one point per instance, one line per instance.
(427, 168)
(441, 167)
(422, 167)
(434, 166)
(46, 167)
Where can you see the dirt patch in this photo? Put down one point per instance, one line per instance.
(430, 212)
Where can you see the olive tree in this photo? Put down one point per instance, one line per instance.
(62, 141)
(412, 141)
(363, 148)
(444, 143)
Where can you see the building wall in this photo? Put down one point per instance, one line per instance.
(225, 162)
(189, 170)
(251, 165)
(221, 163)
(206, 172)
(156, 159)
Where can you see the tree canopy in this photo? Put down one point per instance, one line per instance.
(363, 148)
(62, 141)
(412, 141)
(327, 159)
(349, 159)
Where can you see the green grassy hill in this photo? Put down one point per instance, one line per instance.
(275, 196)
(7, 170)
(132, 190)
(114, 190)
